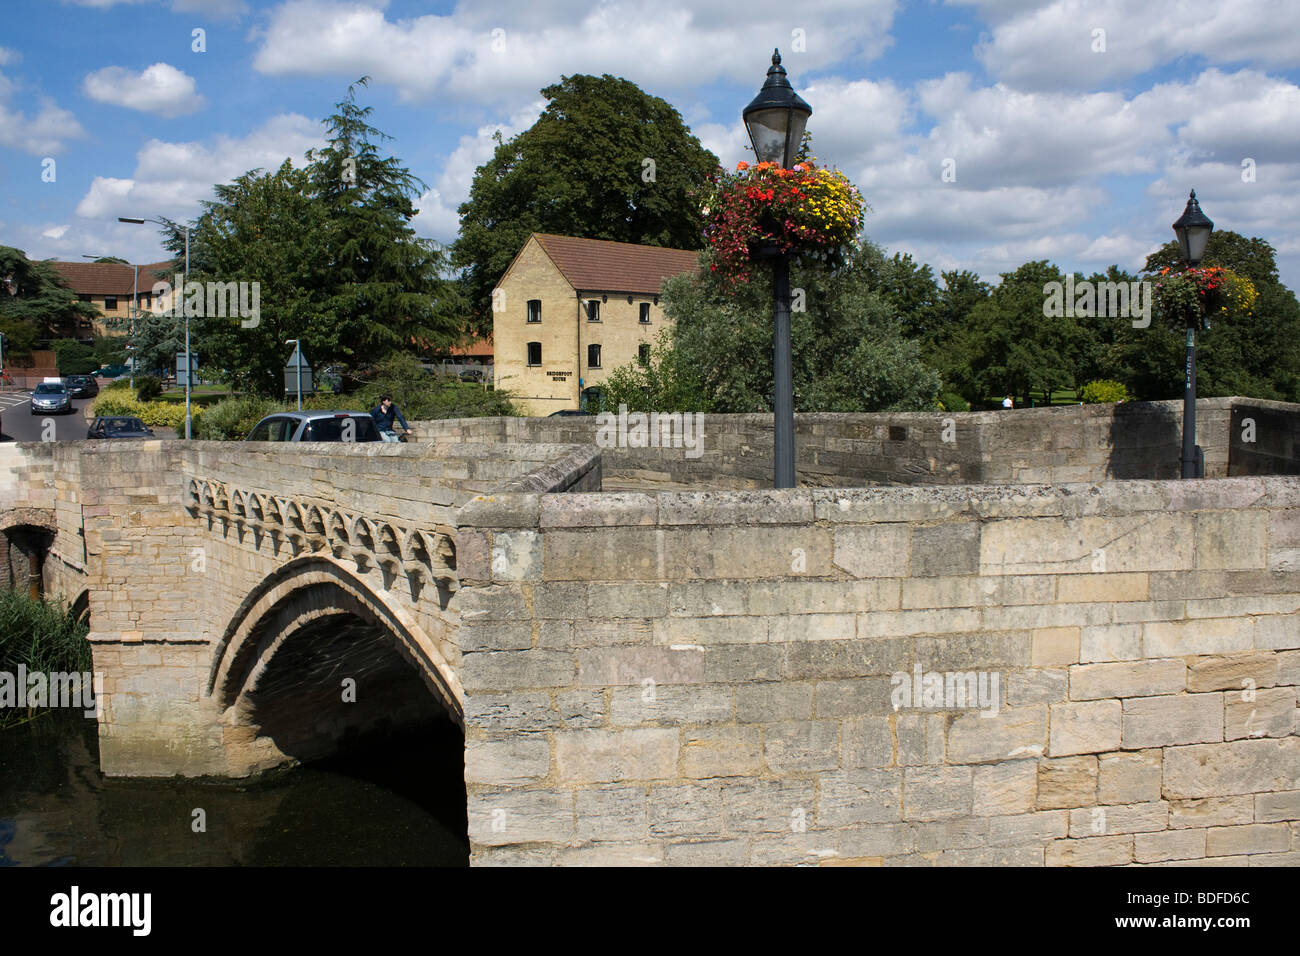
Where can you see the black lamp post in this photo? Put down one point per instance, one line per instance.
(1193, 230)
(776, 119)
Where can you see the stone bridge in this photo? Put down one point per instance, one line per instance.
(663, 673)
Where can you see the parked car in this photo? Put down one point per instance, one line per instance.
(50, 397)
(314, 426)
(567, 412)
(117, 426)
(471, 375)
(81, 386)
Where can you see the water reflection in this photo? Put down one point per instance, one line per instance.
(395, 800)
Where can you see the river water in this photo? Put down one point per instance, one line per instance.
(398, 801)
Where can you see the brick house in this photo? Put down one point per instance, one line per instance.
(568, 311)
(108, 286)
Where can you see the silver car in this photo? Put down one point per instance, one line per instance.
(49, 398)
(316, 426)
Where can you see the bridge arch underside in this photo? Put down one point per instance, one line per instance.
(314, 663)
(26, 536)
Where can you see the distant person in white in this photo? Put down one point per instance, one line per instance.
(1008, 403)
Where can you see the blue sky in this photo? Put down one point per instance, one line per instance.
(1075, 127)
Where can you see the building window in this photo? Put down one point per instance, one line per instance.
(643, 353)
(593, 356)
(534, 310)
(534, 353)
(110, 303)
(645, 312)
(593, 310)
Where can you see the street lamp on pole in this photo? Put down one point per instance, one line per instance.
(297, 351)
(776, 119)
(189, 365)
(1193, 230)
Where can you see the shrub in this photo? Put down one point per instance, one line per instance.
(421, 396)
(147, 388)
(163, 414)
(233, 418)
(952, 402)
(1103, 391)
(42, 636)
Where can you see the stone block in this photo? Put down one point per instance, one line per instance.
(1055, 646)
(670, 704)
(521, 758)
(645, 853)
(873, 551)
(847, 797)
(1036, 686)
(1006, 788)
(1201, 636)
(1049, 545)
(690, 810)
(1231, 540)
(937, 793)
(611, 813)
(1108, 588)
(1277, 631)
(1125, 679)
(508, 670)
(1228, 671)
(1169, 845)
(772, 701)
(768, 806)
(721, 752)
(1252, 838)
(1110, 642)
(1028, 827)
(500, 817)
(1211, 812)
(920, 740)
(1288, 667)
(624, 600)
(1271, 713)
(1092, 851)
(801, 745)
(1172, 720)
(610, 666)
(827, 660)
(867, 742)
(598, 756)
(1085, 727)
(1124, 818)
(937, 835)
(1277, 807)
(950, 548)
(854, 698)
(1129, 777)
(1241, 766)
(980, 738)
(1067, 782)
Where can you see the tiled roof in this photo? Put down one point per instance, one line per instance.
(597, 265)
(109, 278)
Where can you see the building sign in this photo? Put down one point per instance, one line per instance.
(558, 376)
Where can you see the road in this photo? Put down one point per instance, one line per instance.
(19, 424)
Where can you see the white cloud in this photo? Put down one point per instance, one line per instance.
(170, 179)
(487, 56)
(219, 9)
(1054, 45)
(8, 56)
(45, 133)
(160, 89)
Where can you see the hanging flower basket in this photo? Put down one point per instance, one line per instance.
(1188, 296)
(763, 210)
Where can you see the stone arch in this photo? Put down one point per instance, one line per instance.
(81, 607)
(302, 595)
(26, 535)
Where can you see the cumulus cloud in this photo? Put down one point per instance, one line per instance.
(485, 55)
(160, 89)
(46, 132)
(219, 9)
(170, 179)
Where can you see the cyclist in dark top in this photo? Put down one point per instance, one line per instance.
(383, 414)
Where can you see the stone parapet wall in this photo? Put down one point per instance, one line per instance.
(1264, 438)
(1060, 444)
(711, 677)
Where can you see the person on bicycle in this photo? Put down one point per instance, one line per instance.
(383, 414)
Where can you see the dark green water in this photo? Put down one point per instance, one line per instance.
(398, 800)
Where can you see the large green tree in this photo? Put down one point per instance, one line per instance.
(35, 302)
(605, 160)
(849, 353)
(1256, 355)
(336, 260)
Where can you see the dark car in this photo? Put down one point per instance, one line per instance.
(118, 426)
(81, 386)
(567, 412)
(471, 375)
(50, 397)
(315, 426)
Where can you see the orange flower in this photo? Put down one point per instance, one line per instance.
(742, 166)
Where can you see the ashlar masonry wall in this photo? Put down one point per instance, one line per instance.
(713, 677)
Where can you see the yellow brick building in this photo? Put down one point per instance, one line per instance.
(109, 287)
(569, 311)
